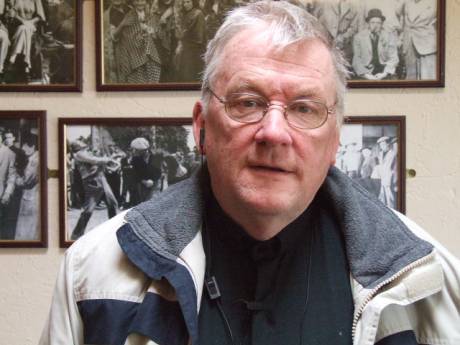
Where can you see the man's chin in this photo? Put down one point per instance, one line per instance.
(269, 203)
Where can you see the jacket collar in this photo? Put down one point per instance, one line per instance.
(378, 244)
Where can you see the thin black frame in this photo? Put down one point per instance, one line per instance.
(399, 121)
(63, 122)
(40, 116)
(76, 85)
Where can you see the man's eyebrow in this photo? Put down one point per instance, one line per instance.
(245, 86)
(252, 86)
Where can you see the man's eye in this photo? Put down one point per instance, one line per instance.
(303, 108)
(250, 103)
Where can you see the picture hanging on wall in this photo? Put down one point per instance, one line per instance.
(23, 179)
(40, 45)
(108, 165)
(158, 45)
(372, 152)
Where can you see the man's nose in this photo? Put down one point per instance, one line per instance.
(274, 128)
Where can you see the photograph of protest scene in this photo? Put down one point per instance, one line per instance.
(40, 45)
(110, 165)
(372, 152)
(23, 179)
(158, 44)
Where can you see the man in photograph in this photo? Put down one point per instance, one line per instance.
(4, 39)
(7, 185)
(419, 22)
(147, 168)
(341, 18)
(268, 243)
(387, 168)
(12, 209)
(95, 185)
(375, 50)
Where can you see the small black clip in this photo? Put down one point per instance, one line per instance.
(212, 287)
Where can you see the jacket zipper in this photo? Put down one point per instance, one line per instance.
(374, 291)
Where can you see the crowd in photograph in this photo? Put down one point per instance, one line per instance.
(19, 185)
(37, 41)
(151, 41)
(119, 179)
(374, 166)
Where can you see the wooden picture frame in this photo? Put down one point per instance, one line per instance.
(159, 52)
(372, 152)
(122, 180)
(23, 169)
(49, 61)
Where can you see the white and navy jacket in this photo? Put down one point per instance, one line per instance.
(138, 278)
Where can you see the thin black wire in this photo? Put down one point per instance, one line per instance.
(205, 231)
(308, 272)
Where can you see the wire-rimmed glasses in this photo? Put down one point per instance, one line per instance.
(251, 108)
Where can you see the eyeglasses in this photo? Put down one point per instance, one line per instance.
(251, 108)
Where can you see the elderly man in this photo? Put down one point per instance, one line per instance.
(268, 244)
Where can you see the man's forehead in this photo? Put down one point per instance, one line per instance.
(251, 58)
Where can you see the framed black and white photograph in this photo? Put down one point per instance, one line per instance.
(40, 45)
(158, 44)
(108, 165)
(372, 152)
(23, 179)
(391, 43)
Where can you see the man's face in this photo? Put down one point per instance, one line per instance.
(384, 146)
(269, 168)
(9, 139)
(188, 5)
(375, 25)
(28, 150)
(140, 153)
(140, 4)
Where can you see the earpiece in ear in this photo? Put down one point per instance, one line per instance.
(202, 134)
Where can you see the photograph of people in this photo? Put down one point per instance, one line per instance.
(112, 168)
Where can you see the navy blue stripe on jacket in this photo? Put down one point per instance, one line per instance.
(402, 338)
(110, 321)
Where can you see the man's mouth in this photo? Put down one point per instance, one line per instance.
(269, 168)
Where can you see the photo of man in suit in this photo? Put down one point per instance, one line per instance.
(419, 22)
(375, 50)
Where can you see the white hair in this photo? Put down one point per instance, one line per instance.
(283, 24)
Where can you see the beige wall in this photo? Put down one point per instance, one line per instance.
(433, 140)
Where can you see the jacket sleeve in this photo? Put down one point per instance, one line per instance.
(64, 325)
(359, 63)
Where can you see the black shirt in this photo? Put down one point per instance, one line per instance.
(291, 289)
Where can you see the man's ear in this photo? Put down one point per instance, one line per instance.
(198, 127)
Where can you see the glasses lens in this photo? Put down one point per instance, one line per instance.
(246, 107)
(306, 114)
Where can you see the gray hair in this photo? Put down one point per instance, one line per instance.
(287, 24)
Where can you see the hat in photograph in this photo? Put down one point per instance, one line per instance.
(382, 139)
(140, 144)
(375, 13)
(77, 145)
